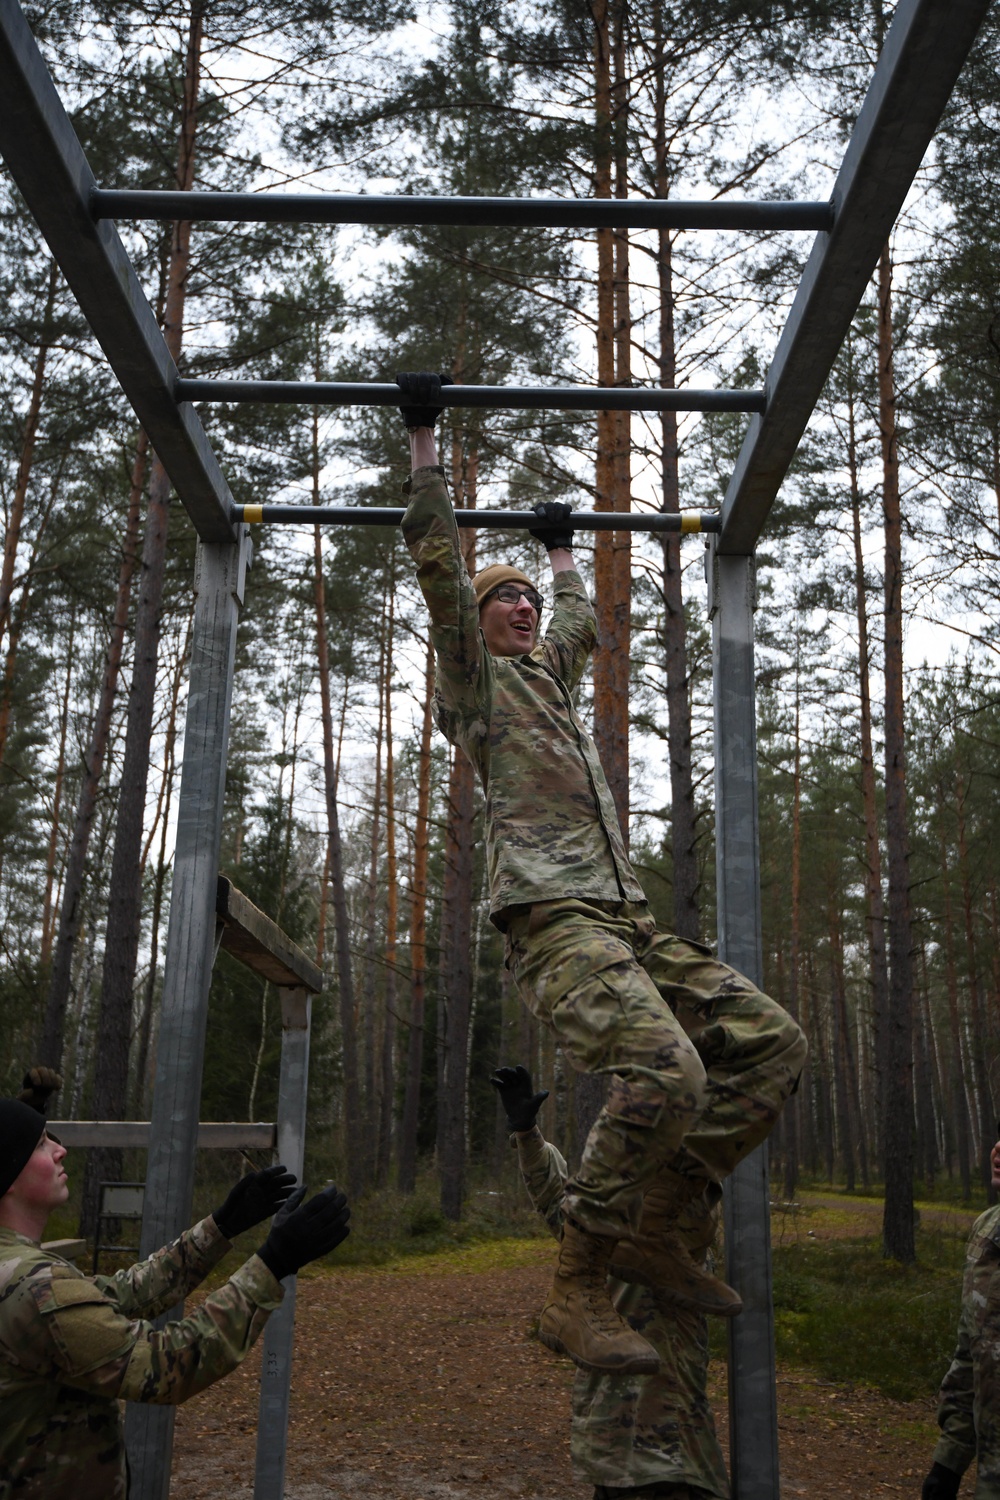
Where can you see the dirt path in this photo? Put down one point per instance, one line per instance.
(426, 1384)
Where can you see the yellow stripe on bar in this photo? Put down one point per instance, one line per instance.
(690, 521)
(253, 514)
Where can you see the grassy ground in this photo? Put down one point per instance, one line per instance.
(846, 1312)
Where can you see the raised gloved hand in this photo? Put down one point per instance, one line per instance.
(305, 1231)
(555, 533)
(38, 1086)
(941, 1484)
(521, 1104)
(425, 388)
(255, 1198)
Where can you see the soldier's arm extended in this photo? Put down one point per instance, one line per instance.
(150, 1287)
(431, 534)
(572, 632)
(956, 1447)
(543, 1169)
(72, 1332)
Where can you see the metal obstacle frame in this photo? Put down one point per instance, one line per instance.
(923, 53)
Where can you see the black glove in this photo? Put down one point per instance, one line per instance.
(37, 1087)
(255, 1198)
(555, 533)
(305, 1231)
(520, 1104)
(425, 388)
(941, 1484)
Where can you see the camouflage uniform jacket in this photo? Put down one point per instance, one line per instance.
(636, 1430)
(551, 827)
(969, 1410)
(72, 1346)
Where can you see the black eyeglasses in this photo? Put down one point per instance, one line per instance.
(509, 593)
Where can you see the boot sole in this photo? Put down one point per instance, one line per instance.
(640, 1365)
(674, 1298)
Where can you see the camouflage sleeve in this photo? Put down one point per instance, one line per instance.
(150, 1287)
(543, 1170)
(98, 1350)
(572, 632)
(956, 1447)
(431, 534)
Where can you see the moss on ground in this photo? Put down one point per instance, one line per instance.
(855, 1317)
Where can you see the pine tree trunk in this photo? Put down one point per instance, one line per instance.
(791, 1112)
(941, 1136)
(25, 604)
(842, 1046)
(351, 1121)
(897, 1097)
(612, 550)
(407, 1171)
(959, 1107)
(987, 1115)
(682, 808)
(924, 1156)
(388, 1086)
(455, 999)
(141, 1094)
(48, 905)
(878, 964)
(93, 768)
(368, 1143)
(15, 517)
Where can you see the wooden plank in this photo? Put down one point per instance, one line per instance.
(213, 1135)
(251, 936)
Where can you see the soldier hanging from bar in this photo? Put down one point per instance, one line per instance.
(698, 1061)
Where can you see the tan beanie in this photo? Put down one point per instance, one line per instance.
(490, 578)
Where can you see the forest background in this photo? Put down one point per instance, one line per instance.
(348, 819)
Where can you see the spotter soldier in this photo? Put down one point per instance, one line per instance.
(633, 1437)
(969, 1402)
(698, 1061)
(73, 1347)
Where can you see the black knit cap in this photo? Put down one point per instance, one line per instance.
(21, 1128)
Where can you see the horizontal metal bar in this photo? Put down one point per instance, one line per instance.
(214, 1135)
(406, 208)
(47, 163)
(492, 520)
(923, 54)
(500, 397)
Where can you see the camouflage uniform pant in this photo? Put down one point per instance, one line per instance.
(700, 1061)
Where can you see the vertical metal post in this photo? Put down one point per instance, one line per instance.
(220, 577)
(753, 1414)
(276, 1369)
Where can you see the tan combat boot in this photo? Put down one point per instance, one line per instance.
(658, 1257)
(579, 1320)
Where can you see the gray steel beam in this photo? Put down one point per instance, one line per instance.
(46, 161)
(505, 397)
(405, 208)
(220, 577)
(279, 1334)
(922, 57)
(753, 1412)
(477, 520)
